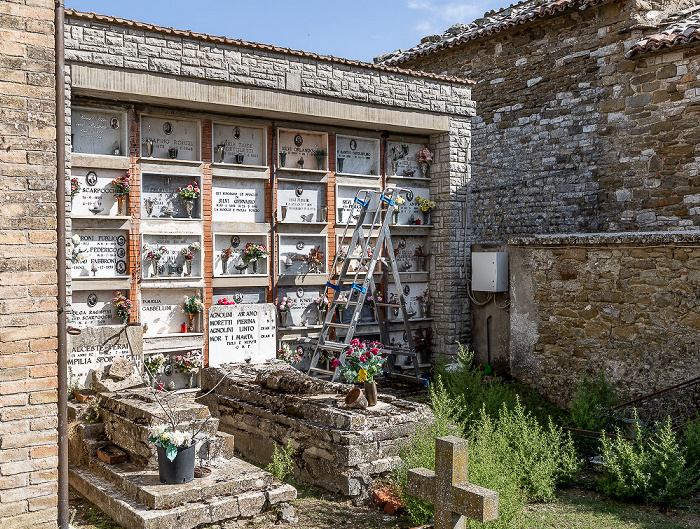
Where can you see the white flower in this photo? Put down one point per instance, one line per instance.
(157, 431)
(195, 246)
(180, 438)
(146, 247)
(75, 240)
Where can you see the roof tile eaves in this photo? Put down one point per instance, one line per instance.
(266, 47)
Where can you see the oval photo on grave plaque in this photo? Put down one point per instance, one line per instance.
(120, 267)
(406, 290)
(168, 370)
(238, 297)
(299, 191)
(114, 123)
(168, 127)
(91, 178)
(121, 240)
(235, 241)
(92, 300)
(121, 252)
(300, 292)
(353, 145)
(236, 132)
(409, 195)
(300, 245)
(298, 140)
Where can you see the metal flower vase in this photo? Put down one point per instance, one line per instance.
(321, 316)
(190, 326)
(180, 469)
(426, 218)
(224, 266)
(189, 205)
(425, 169)
(283, 318)
(121, 205)
(371, 393)
(154, 273)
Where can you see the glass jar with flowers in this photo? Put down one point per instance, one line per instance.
(252, 253)
(188, 253)
(289, 355)
(425, 160)
(192, 306)
(426, 206)
(190, 363)
(122, 187)
(122, 306)
(154, 254)
(285, 305)
(189, 194)
(362, 362)
(74, 189)
(321, 303)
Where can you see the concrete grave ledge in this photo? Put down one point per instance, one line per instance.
(338, 448)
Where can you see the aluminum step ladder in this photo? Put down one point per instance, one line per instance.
(358, 285)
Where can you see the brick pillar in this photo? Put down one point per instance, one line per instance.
(208, 240)
(28, 321)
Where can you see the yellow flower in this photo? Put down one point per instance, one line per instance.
(362, 375)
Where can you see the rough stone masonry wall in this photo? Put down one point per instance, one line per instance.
(28, 449)
(577, 138)
(625, 304)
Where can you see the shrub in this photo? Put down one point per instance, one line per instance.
(282, 464)
(691, 438)
(592, 396)
(651, 467)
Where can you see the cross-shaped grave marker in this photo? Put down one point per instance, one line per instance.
(448, 489)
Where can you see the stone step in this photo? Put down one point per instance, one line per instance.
(133, 514)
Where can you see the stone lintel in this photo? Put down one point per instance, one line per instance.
(475, 502)
(201, 95)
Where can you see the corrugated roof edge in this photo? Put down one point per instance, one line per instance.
(549, 9)
(265, 47)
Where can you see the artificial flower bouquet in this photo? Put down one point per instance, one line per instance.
(289, 355)
(190, 362)
(192, 305)
(363, 361)
(253, 252)
(190, 192)
(286, 304)
(170, 440)
(122, 305)
(153, 363)
(122, 185)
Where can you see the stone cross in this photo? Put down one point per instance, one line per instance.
(448, 490)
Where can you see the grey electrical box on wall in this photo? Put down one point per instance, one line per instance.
(490, 271)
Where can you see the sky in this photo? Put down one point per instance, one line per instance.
(353, 29)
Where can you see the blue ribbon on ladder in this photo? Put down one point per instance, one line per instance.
(361, 203)
(359, 287)
(334, 287)
(384, 198)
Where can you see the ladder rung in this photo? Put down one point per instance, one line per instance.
(339, 325)
(324, 371)
(333, 346)
(388, 305)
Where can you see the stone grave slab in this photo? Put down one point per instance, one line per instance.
(96, 195)
(238, 200)
(248, 142)
(300, 202)
(160, 197)
(93, 308)
(357, 155)
(298, 147)
(95, 131)
(409, 211)
(235, 266)
(170, 138)
(406, 164)
(97, 347)
(242, 333)
(411, 291)
(106, 254)
(173, 264)
(347, 207)
(304, 311)
(293, 249)
(161, 310)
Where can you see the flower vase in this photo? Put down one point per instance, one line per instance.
(190, 382)
(189, 205)
(224, 266)
(283, 159)
(253, 266)
(420, 264)
(121, 205)
(190, 326)
(123, 318)
(371, 393)
(283, 211)
(339, 165)
(425, 169)
(154, 272)
(394, 167)
(340, 215)
(283, 318)
(426, 218)
(321, 316)
(220, 150)
(395, 216)
(319, 162)
(180, 469)
(424, 308)
(188, 267)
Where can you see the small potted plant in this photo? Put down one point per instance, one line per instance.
(289, 355)
(320, 155)
(252, 253)
(363, 361)
(154, 254)
(176, 451)
(426, 206)
(189, 194)
(425, 159)
(122, 188)
(192, 306)
(285, 305)
(190, 363)
(122, 306)
(225, 256)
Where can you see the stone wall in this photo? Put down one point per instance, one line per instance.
(624, 304)
(572, 137)
(28, 450)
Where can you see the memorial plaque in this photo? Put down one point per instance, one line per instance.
(161, 310)
(409, 211)
(238, 144)
(160, 197)
(407, 164)
(242, 333)
(354, 255)
(174, 262)
(410, 291)
(296, 252)
(106, 254)
(240, 295)
(405, 252)
(356, 155)
(169, 138)
(299, 147)
(304, 312)
(235, 265)
(96, 195)
(238, 200)
(97, 347)
(345, 202)
(100, 131)
(92, 309)
(300, 202)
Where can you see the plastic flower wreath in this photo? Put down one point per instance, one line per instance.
(190, 362)
(289, 355)
(363, 361)
(190, 192)
(286, 304)
(253, 252)
(425, 156)
(171, 441)
(425, 204)
(77, 255)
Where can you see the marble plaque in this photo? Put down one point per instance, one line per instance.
(99, 131)
(410, 291)
(405, 252)
(304, 312)
(106, 254)
(345, 202)
(96, 195)
(407, 164)
(359, 155)
(240, 295)
(242, 333)
(170, 138)
(161, 199)
(247, 142)
(299, 147)
(295, 250)
(161, 310)
(238, 200)
(172, 264)
(97, 347)
(410, 212)
(92, 309)
(353, 255)
(235, 266)
(299, 202)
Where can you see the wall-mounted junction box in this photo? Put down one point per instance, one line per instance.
(490, 271)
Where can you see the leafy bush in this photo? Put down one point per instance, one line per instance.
(282, 464)
(651, 467)
(691, 438)
(592, 396)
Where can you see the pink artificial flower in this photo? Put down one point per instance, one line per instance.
(362, 358)
(335, 362)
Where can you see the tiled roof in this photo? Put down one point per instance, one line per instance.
(263, 47)
(680, 28)
(492, 22)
